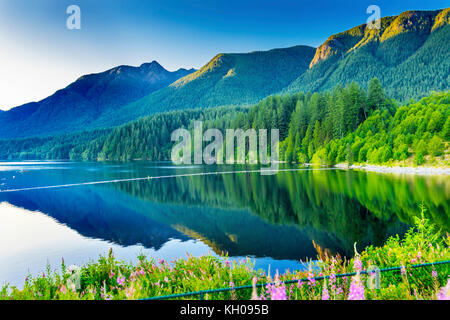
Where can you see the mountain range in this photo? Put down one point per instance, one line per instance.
(77, 106)
(409, 54)
(228, 79)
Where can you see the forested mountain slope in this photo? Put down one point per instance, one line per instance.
(410, 55)
(346, 124)
(415, 134)
(228, 79)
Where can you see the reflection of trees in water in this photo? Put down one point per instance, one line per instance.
(385, 195)
(336, 208)
(288, 211)
(113, 215)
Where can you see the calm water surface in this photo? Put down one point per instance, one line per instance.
(276, 220)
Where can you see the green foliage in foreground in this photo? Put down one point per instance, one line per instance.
(111, 279)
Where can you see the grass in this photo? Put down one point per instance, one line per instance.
(110, 279)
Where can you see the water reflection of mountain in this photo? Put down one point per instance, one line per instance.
(336, 208)
(96, 215)
(112, 215)
(276, 216)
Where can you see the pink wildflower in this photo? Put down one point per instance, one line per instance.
(325, 294)
(312, 280)
(332, 278)
(356, 289)
(291, 290)
(403, 270)
(120, 280)
(277, 291)
(357, 264)
(63, 289)
(129, 292)
(444, 293)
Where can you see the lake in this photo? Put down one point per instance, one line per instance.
(276, 220)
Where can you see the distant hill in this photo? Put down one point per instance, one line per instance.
(77, 106)
(228, 79)
(410, 55)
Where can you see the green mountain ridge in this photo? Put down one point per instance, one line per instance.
(419, 22)
(228, 79)
(410, 55)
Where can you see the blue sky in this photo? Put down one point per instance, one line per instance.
(40, 55)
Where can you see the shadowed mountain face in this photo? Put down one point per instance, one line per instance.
(410, 55)
(77, 106)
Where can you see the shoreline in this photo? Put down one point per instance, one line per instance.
(397, 169)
